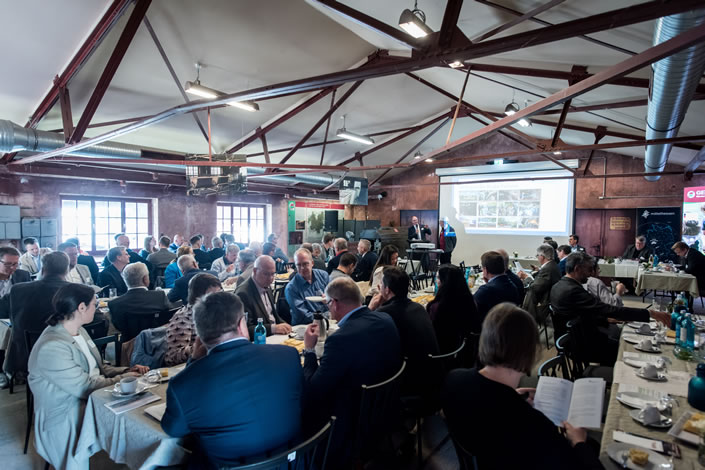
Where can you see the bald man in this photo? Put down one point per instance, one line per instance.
(258, 299)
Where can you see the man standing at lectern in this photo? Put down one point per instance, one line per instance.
(418, 232)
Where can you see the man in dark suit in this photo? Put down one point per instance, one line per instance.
(536, 301)
(111, 277)
(366, 261)
(31, 305)
(574, 246)
(497, 288)
(693, 262)
(202, 257)
(570, 300)
(639, 250)
(9, 276)
(563, 252)
(418, 233)
(86, 260)
(365, 350)
(189, 268)
(518, 283)
(136, 309)
(418, 340)
(236, 398)
(256, 295)
(123, 240)
(341, 246)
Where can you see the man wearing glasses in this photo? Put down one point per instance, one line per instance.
(9, 276)
(538, 291)
(308, 282)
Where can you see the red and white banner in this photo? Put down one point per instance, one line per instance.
(694, 194)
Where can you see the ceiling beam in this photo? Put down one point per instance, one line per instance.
(172, 72)
(325, 135)
(97, 172)
(600, 132)
(450, 20)
(265, 148)
(66, 115)
(561, 122)
(697, 160)
(608, 20)
(133, 23)
(523, 17)
(636, 62)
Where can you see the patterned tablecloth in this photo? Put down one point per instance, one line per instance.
(667, 281)
(618, 415)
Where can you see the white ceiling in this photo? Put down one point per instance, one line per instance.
(244, 44)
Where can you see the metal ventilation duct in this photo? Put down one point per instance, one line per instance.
(673, 83)
(15, 138)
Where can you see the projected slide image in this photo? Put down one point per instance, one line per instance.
(487, 208)
(500, 209)
(508, 208)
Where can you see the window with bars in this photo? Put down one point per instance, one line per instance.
(95, 221)
(245, 222)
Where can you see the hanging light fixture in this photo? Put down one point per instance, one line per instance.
(195, 88)
(417, 156)
(346, 134)
(246, 105)
(414, 22)
(511, 108)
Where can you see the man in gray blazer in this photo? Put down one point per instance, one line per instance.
(162, 258)
(256, 296)
(78, 273)
(538, 291)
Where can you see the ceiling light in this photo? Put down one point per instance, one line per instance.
(246, 105)
(428, 160)
(524, 123)
(456, 64)
(511, 108)
(417, 156)
(414, 22)
(499, 161)
(556, 153)
(354, 136)
(195, 88)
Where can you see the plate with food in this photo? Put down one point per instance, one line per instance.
(689, 427)
(637, 458)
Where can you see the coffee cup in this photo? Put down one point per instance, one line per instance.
(646, 344)
(645, 329)
(650, 371)
(128, 385)
(650, 415)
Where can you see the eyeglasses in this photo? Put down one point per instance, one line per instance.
(10, 265)
(328, 302)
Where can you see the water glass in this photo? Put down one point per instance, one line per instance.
(112, 292)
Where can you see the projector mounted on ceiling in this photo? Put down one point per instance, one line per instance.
(203, 180)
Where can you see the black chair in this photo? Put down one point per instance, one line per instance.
(466, 460)
(577, 353)
(554, 366)
(30, 338)
(283, 309)
(138, 323)
(102, 343)
(449, 361)
(378, 411)
(310, 454)
(470, 354)
(98, 327)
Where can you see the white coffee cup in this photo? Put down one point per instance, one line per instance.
(128, 385)
(650, 415)
(645, 329)
(649, 370)
(646, 344)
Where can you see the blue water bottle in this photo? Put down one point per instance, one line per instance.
(675, 318)
(688, 333)
(655, 260)
(696, 388)
(677, 330)
(260, 333)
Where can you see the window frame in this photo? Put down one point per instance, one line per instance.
(123, 220)
(230, 208)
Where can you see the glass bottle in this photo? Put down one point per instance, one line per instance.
(696, 388)
(260, 332)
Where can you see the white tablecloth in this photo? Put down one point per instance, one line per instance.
(667, 281)
(625, 269)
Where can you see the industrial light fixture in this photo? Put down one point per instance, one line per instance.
(414, 22)
(511, 108)
(246, 105)
(556, 153)
(195, 88)
(428, 160)
(417, 156)
(346, 134)
(456, 64)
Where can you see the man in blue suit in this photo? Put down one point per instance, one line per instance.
(366, 349)
(498, 287)
(236, 398)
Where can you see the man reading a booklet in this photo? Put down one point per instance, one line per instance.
(493, 420)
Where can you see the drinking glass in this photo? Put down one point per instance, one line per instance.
(112, 292)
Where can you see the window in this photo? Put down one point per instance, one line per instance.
(246, 222)
(95, 221)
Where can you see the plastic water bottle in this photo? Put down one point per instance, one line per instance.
(260, 332)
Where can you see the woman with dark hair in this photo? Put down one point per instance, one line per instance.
(149, 246)
(387, 257)
(64, 368)
(180, 331)
(453, 312)
(487, 414)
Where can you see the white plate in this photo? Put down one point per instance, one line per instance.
(678, 432)
(637, 325)
(665, 422)
(655, 350)
(639, 364)
(315, 298)
(636, 400)
(141, 387)
(637, 332)
(656, 461)
(631, 339)
(659, 377)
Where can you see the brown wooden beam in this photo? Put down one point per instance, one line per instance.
(697, 160)
(523, 17)
(265, 148)
(325, 135)
(600, 132)
(66, 116)
(450, 20)
(133, 23)
(561, 122)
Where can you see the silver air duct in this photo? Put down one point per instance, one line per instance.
(15, 138)
(673, 84)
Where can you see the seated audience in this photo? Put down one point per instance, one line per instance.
(453, 312)
(563, 252)
(134, 311)
(149, 247)
(345, 267)
(180, 331)
(570, 300)
(31, 260)
(341, 246)
(366, 349)
(161, 258)
(258, 299)
(226, 266)
(123, 240)
(202, 258)
(256, 247)
(366, 262)
(497, 288)
(416, 332)
(78, 273)
(307, 282)
(172, 272)
(319, 261)
(237, 399)
(268, 249)
(554, 245)
(111, 277)
(30, 306)
(638, 250)
(387, 257)
(485, 409)
(538, 291)
(245, 264)
(189, 268)
(600, 291)
(86, 260)
(693, 262)
(64, 369)
(9, 276)
(217, 251)
(518, 283)
(178, 243)
(574, 246)
(328, 249)
(278, 252)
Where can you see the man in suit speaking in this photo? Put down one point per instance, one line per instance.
(418, 232)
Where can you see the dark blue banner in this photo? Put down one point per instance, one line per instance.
(662, 228)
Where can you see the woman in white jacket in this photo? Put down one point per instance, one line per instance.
(64, 368)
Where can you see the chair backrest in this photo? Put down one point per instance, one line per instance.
(378, 407)
(562, 343)
(102, 343)
(310, 454)
(283, 308)
(470, 354)
(466, 460)
(138, 323)
(30, 338)
(577, 347)
(97, 328)
(553, 367)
